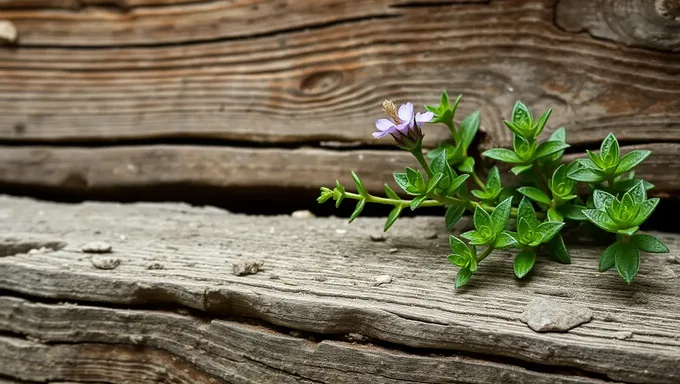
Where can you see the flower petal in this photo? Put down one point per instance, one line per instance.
(406, 112)
(423, 118)
(404, 127)
(383, 124)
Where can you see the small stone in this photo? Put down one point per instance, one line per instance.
(155, 265)
(640, 298)
(136, 339)
(293, 283)
(340, 231)
(105, 262)
(8, 32)
(40, 250)
(248, 267)
(382, 279)
(623, 335)
(356, 338)
(609, 318)
(305, 214)
(430, 236)
(96, 247)
(378, 236)
(320, 278)
(672, 259)
(393, 250)
(546, 315)
(668, 273)
(274, 276)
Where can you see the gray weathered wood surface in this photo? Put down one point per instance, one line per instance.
(317, 286)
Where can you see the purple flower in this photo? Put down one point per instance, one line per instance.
(403, 125)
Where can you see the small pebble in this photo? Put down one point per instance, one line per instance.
(393, 250)
(672, 259)
(96, 247)
(547, 315)
(303, 214)
(105, 262)
(356, 338)
(340, 231)
(8, 32)
(40, 250)
(274, 276)
(320, 278)
(155, 266)
(249, 267)
(430, 236)
(382, 279)
(623, 335)
(378, 236)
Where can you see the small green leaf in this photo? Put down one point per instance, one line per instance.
(469, 127)
(392, 217)
(477, 238)
(502, 154)
(402, 180)
(646, 210)
(549, 229)
(525, 232)
(458, 247)
(648, 243)
(558, 250)
(548, 148)
(602, 199)
(505, 240)
(638, 193)
(560, 134)
(586, 175)
(609, 150)
(464, 275)
(631, 160)
(415, 203)
(493, 181)
(541, 123)
(325, 195)
(517, 170)
(360, 185)
(595, 161)
(360, 207)
(458, 260)
(456, 183)
(439, 164)
(526, 211)
(534, 194)
(467, 166)
(482, 219)
(601, 219)
(390, 193)
(554, 215)
(608, 257)
(338, 193)
(514, 128)
(453, 214)
(521, 115)
(627, 261)
(524, 262)
(573, 212)
(432, 184)
(628, 231)
(500, 215)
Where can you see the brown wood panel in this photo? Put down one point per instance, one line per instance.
(319, 71)
(319, 277)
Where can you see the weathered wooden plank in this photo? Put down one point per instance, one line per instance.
(108, 168)
(319, 277)
(229, 351)
(649, 24)
(326, 82)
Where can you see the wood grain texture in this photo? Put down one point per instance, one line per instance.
(230, 352)
(87, 169)
(319, 276)
(319, 71)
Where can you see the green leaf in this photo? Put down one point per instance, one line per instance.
(646, 210)
(521, 115)
(520, 169)
(325, 195)
(500, 215)
(608, 257)
(549, 229)
(586, 175)
(628, 231)
(338, 193)
(467, 166)
(390, 193)
(534, 194)
(560, 134)
(439, 164)
(360, 207)
(502, 154)
(554, 215)
(627, 261)
(453, 214)
(560, 184)
(601, 219)
(524, 148)
(493, 181)
(456, 183)
(632, 159)
(526, 211)
(648, 243)
(402, 180)
(415, 203)
(464, 275)
(458, 260)
(638, 193)
(514, 128)
(525, 232)
(482, 219)
(432, 184)
(360, 185)
(573, 212)
(476, 237)
(548, 148)
(392, 217)
(595, 161)
(609, 150)
(524, 262)
(469, 127)
(541, 123)
(458, 247)
(505, 240)
(602, 199)
(558, 250)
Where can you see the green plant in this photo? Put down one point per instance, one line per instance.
(618, 202)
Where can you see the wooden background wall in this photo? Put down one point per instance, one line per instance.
(198, 97)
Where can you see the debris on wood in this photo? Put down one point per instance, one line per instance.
(274, 276)
(248, 267)
(96, 247)
(378, 236)
(393, 251)
(623, 335)
(430, 235)
(40, 250)
(545, 315)
(155, 265)
(672, 259)
(382, 279)
(320, 278)
(356, 338)
(305, 214)
(8, 32)
(105, 262)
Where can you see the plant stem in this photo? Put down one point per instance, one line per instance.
(486, 253)
(394, 202)
(610, 183)
(477, 180)
(418, 154)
